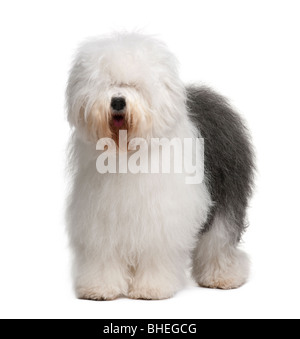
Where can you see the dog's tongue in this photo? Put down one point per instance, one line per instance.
(118, 122)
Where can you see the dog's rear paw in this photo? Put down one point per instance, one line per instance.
(97, 293)
(222, 282)
(224, 272)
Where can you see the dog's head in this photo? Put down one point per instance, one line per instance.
(128, 81)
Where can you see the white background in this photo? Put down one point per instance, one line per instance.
(247, 50)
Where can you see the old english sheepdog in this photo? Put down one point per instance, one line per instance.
(140, 234)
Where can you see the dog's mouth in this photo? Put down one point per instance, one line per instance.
(118, 120)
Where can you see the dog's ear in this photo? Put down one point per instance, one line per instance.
(76, 96)
(75, 114)
(74, 100)
(82, 93)
(79, 103)
(173, 90)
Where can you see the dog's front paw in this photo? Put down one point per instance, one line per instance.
(149, 294)
(151, 291)
(98, 293)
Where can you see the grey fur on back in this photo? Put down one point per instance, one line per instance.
(229, 159)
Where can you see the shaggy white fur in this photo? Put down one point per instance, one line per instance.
(131, 234)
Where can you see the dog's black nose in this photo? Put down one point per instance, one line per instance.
(118, 103)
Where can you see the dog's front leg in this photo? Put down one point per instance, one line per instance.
(100, 277)
(160, 273)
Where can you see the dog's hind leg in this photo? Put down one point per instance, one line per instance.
(217, 261)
